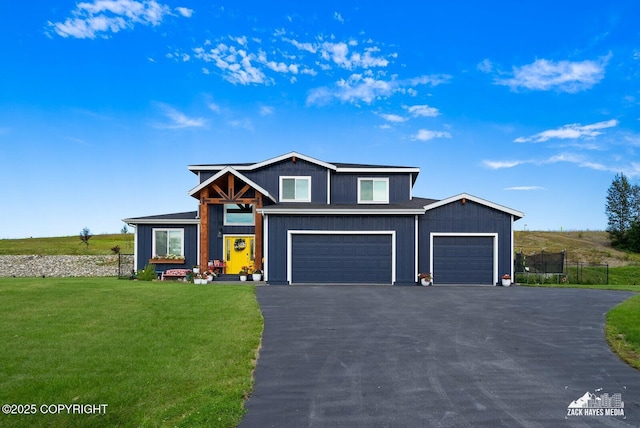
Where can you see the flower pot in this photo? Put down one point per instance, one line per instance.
(506, 282)
(256, 276)
(425, 282)
(196, 270)
(210, 278)
(243, 277)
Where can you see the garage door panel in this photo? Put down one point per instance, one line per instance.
(463, 259)
(341, 258)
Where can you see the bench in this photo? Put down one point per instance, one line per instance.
(175, 273)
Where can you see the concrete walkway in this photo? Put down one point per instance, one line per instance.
(381, 356)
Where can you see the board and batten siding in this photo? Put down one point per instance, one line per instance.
(344, 187)
(145, 242)
(279, 225)
(268, 177)
(472, 218)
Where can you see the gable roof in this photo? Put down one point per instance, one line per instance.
(515, 213)
(338, 167)
(237, 174)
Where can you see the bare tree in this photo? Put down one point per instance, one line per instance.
(85, 235)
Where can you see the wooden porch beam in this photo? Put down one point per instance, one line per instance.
(204, 228)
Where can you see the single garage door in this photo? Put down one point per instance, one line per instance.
(463, 260)
(341, 259)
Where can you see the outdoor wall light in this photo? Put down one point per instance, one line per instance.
(220, 233)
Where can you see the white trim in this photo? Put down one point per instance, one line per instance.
(261, 164)
(290, 234)
(198, 246)
(341, 211)
(328, 187)
(233, 171)
(224, 216)
(135, 250)
(373, 179)
(376, 169)
(167, 229)
(265, 246)
(480, 201)
(295, 178)
(495, 249)
(134, 221)
(513, 278)
(415, 250)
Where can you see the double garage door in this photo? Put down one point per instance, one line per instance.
(463, 259)
(341, 258)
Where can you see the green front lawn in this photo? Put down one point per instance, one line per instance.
(623, 330)
(158, 354)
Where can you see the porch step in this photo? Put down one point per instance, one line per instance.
(224, 277)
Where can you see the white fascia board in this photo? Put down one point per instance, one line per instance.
(230, 170)
(262, 163)
(480, 201)
(337, 211)
(378, 170)
(133, 221)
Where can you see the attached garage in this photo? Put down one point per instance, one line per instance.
(341, 257)
(464, 259)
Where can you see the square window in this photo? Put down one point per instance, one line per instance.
(295, 189)
(373, 190)
(168, 242)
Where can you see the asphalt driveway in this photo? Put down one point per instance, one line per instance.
(381, 356)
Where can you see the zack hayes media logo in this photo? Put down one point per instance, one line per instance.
(597, 405)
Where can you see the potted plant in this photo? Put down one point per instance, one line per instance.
(506, 280)
(425, 279)
(196, 269)
(256, 275)
(244, 271)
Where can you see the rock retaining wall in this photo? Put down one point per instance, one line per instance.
(65, 266)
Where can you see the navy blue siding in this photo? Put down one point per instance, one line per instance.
(466, 218)
(402, 225)
(269, 177)
(344, 187)
(145, 243)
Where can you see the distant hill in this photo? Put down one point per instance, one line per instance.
(586, 246)
(67, 245)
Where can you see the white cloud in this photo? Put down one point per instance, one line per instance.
(101, 17)
(422, 111)
(367, 89)
(338, 17)
(236, 64)
(426, 135)
(393, 118)
(571, 131)
(525, 188)
(184, 11)
(563, 76)
(179, 120)
(501, 164)
(485, 66)
(266, 110)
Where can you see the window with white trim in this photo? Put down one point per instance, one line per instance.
(295, 189)
(167, 242)
(239, 215)
(373, 190)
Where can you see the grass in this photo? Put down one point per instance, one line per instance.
(67, 245)
(623, 330)
(158, 354)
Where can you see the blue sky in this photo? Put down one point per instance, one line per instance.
(104, 103)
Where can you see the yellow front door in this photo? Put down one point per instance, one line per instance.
(239, 252)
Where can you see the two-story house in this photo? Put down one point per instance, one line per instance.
(303, 220)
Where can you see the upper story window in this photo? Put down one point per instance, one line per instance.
(373, 190)
(168, 242)
(238, 215)
(295, 189)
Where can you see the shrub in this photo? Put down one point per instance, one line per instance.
(147, 274)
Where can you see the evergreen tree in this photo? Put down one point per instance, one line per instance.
(622, 210)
